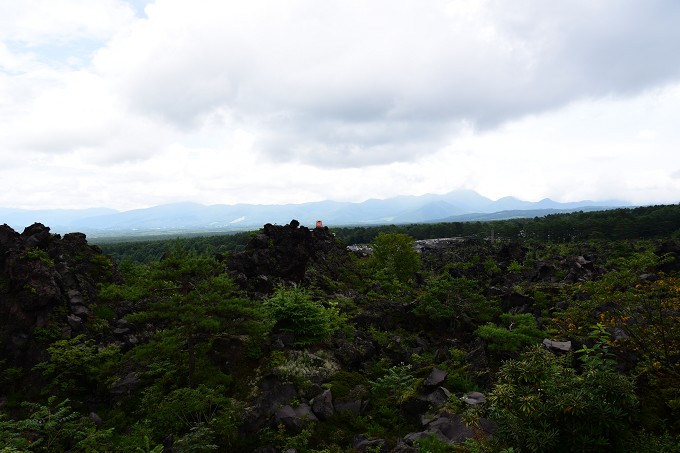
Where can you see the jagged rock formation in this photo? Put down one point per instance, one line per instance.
(290, 253)
(47, 285)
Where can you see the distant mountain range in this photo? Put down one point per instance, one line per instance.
(460, 205)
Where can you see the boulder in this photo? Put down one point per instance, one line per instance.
(126, 385)
(557, 346)
(80, 310)
(403, 447)
(96, 419)
(450, 428)
(362, 443)
(271, 395)
(474, 398)
(353, 407)
(476, 358)
(436, 378)
(438, 397)
(294, 419)
(322, 405)
(74, 321)
(305, 413)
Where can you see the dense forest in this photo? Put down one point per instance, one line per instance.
(553, 334)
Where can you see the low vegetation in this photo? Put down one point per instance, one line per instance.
(180, 347)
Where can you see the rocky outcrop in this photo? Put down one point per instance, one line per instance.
(291, 253)
(47, 286)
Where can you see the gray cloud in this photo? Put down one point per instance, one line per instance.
(346, 83)
(358, 83)
(269, 101)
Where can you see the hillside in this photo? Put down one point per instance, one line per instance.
(294, 343)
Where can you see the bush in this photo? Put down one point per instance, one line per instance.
(541, 404)
(521, 332)
(296, 312)
(455, 300)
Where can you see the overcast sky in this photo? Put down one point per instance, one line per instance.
(129, 104)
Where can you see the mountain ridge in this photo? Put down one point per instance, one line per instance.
(461, 205)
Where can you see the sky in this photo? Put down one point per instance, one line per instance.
(131, 104)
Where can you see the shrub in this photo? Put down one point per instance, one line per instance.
(521, 332)
(296, 312)
(542, 404)
(455, 300)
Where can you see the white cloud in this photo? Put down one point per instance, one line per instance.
(39, 22)
(341, 83)
(289, 101)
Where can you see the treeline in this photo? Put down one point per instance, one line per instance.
(616, 224)
(152, 250)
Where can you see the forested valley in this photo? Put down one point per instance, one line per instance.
(552, 334)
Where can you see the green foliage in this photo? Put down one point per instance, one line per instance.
(615, 224)
(515, 266)
(296, 442)
(101, 267)
(541, 404)
(104, 312)
(459, 377)
(456, 300)
(343, 382)
(192, 297)
(433, 444)
(9, 374)
(201, 418)
(301, 366)
(51, 428)
(395, 386)
(147, 448)
(199, 337)
(517, 332)
(76, 365)
(47, 334)
(599, 355)
(148, 250)
(394, 257)
(296, 312)
(645, 442)
(40, 255)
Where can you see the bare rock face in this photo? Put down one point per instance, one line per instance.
(47, 284)
(291, 253)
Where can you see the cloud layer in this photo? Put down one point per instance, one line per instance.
(300, 100)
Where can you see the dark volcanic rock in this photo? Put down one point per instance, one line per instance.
(436, 377)
(46, 282)
(322, 405)
(292, 253)
(272, 395)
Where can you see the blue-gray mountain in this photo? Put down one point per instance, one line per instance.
(461, 205)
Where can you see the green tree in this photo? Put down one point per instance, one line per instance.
(394, 257)
(455, 300)
(187, 294)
